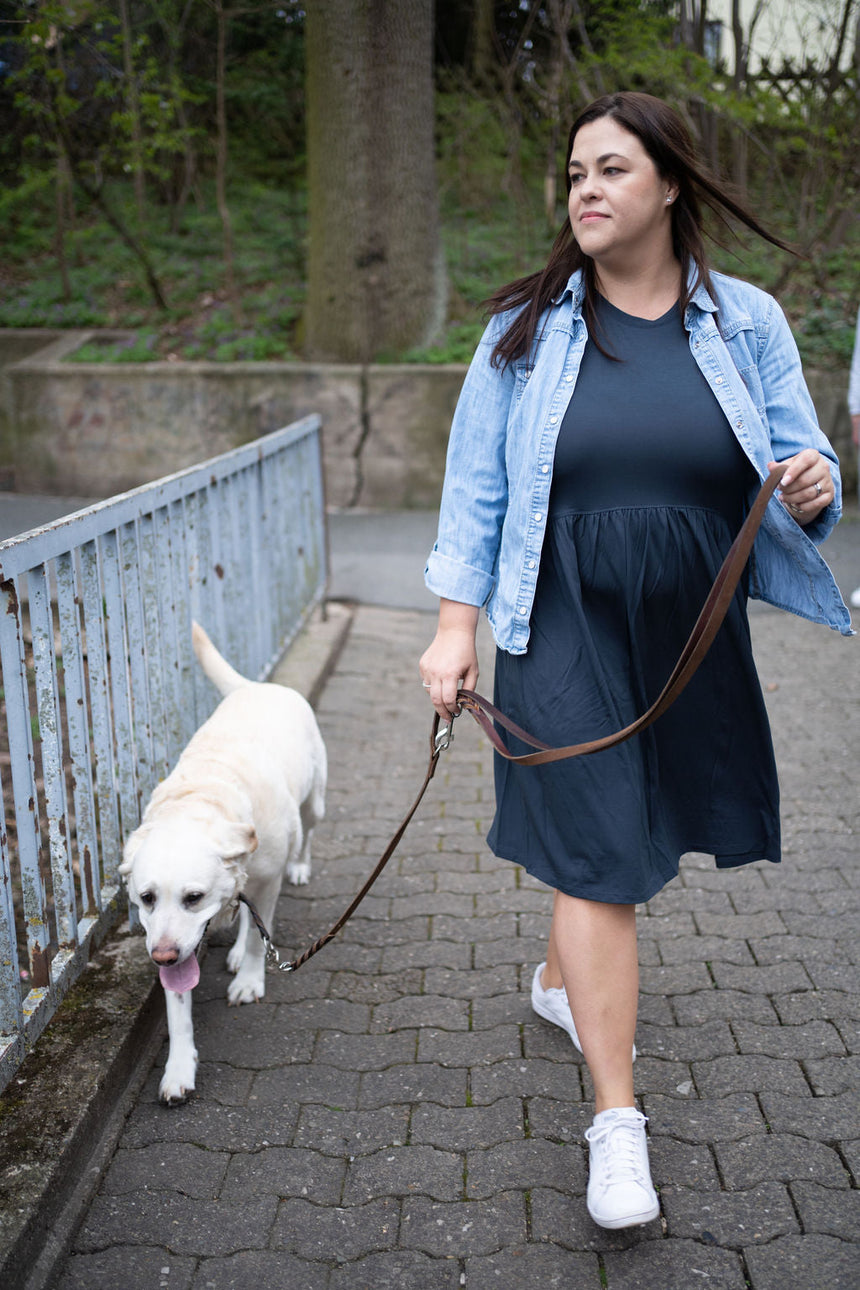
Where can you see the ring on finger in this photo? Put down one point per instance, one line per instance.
(818, 489)
(426, 685)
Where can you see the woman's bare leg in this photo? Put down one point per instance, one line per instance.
(592, 950)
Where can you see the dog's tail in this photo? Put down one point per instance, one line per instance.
(224, 677)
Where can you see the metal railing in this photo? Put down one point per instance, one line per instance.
(101, 690)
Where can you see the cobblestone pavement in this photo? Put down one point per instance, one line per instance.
(394, 1115)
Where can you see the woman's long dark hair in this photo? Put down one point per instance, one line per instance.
(665, 138)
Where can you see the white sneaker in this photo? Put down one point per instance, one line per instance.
(553, 1006)
(620, 1192)
(854, 598)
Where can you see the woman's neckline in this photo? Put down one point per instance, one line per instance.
(637, 319)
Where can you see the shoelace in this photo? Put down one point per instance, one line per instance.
(622, 1158)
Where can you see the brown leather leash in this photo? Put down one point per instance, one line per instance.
(485, 714)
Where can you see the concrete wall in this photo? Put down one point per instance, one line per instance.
(94, 429)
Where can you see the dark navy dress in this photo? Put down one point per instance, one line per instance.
(649, 489)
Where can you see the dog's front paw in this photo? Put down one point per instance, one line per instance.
(177, 1082)
(299, 872)
(246, 987)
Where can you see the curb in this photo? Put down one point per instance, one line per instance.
(63, 1113)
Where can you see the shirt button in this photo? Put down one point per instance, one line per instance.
(568, 379)
(532, 564)
(553, 421)
(523, 610)
(544, 470)
(718, 381)
(538, 517)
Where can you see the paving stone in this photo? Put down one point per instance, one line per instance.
(811, 1261)
(340, 1131)
(682, 1164)
(811, 1005)
(532, 1162)
(420, 1011)
(525, 1078)
(396, 1270)
(419, 1082)
(365, 1052)
(533, 1267)
(784, 1157)
(831, 1075)
(559, 1121)
(676, 1265)
(463, 1231)
(683, 978)
(825, 1119)
(336, 1232)
(655, 1076)
(728, 1005)
(727, 1119)
(563, 1219)
(675, 898)
(684, 1043)
(472, 984)
(827, 926)
(404, 1171)
(731, 1220)
(654, 1010)
(475, 1048)
(273, 1269)
(787, 948)
(823, 1211)
(542, 1040)
(776, 979)
(469, 1126)
(306, 1082)
(658, 925)
(725, 1075)
(178, 1223)
(283, 1172)
(834, 976)
(127, 1265)
(813, 1040)
(744, 926)
(211, 1125)
(382, 932)
(375, 988)
(167, 1166)
(426, 954)
(255, 1036)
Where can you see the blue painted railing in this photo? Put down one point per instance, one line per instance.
(101, 691)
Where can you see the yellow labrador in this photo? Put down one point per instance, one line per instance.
(235, 814)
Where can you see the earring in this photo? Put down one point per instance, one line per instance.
(668, 201)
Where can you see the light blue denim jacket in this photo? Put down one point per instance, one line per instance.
(502, 446)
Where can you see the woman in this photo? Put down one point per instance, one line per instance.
(620, 411)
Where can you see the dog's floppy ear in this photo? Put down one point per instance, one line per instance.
(240, 840)
(130, 850)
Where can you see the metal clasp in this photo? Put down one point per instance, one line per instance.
(443, 738)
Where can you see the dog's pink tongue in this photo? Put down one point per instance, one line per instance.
(180, 977)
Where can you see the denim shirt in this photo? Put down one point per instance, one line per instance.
(502, 447)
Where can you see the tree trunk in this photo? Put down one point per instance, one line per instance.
(375, 275)
(133, 100)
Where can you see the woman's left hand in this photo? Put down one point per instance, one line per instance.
(806, 488)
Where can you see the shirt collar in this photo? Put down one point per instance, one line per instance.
(575, 288)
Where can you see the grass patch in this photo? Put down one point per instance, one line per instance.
(485, 244)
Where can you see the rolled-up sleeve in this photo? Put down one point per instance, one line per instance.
(462, 564)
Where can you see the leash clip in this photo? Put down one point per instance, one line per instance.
(443, 738)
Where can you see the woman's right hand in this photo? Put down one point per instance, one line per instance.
(451, 661)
